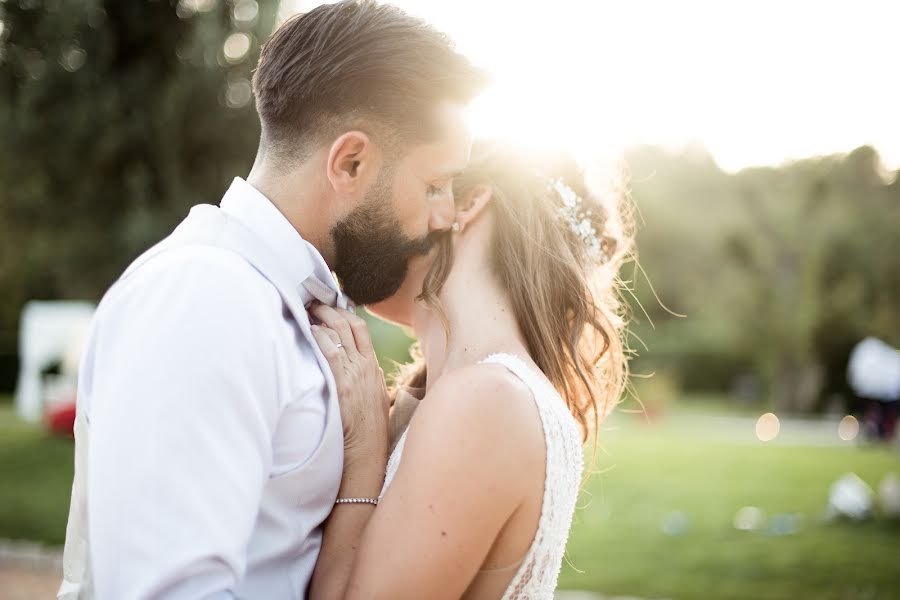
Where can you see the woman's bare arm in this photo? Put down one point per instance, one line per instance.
(460, 480)
(344, 340)
(343, 529)
(470, 454)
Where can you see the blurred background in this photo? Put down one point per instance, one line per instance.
(755, 455)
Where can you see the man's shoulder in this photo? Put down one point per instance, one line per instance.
(212, 262)
(195, 275)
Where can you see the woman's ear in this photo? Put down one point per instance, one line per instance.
(473, 204)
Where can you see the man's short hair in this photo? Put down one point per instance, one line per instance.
(356, 64)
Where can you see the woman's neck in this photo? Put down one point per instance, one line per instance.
(481, 321)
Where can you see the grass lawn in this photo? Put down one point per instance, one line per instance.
(36, 474)
(617, 546)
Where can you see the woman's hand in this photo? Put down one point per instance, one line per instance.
(344, 339)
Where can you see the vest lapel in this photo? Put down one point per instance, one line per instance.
(209, 225)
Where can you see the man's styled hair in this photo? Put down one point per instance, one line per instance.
(361, 65)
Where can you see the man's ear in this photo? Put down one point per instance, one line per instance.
(473, 204)
(352, 160)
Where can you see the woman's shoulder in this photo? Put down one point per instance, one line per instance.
(481, 404)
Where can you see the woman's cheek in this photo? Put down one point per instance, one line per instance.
(399, 308)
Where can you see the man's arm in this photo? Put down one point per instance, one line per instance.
(183, 402)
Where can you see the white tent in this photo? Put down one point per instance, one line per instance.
(50, 332)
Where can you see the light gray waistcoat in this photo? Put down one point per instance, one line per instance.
(315, 482)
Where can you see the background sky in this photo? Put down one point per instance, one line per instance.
(755, 83)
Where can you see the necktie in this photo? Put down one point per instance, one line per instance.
(325, 294)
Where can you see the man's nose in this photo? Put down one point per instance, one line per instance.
(443, 213)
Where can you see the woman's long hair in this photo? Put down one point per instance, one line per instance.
(565, 295)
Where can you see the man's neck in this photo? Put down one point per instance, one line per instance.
(299, 196)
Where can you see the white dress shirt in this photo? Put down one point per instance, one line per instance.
(209, 445)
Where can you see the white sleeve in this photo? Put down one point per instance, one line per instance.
(183, 400)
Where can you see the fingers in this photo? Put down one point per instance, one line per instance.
(351, 329)
(333, 320)
(329, 347)
(333, 335)
(360, 332)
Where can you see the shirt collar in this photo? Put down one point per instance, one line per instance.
(257, 213)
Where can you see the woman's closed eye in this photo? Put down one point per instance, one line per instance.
(436, 191)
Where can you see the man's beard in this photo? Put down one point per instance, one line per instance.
(371, 253)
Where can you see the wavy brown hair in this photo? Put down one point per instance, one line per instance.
(566, 301)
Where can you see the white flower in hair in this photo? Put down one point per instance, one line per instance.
(578, 221)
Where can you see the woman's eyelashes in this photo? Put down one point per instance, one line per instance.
(437, 191)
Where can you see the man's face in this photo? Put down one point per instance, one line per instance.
(409, 205)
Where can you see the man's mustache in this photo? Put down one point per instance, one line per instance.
(418, 246)
(410, 248)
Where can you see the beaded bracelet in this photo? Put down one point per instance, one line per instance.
(357, 501)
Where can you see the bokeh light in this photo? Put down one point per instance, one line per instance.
(236, 47)
(848, 428)
(73, 58)
(674, 523)
(767, 427)
(245, 11)
(749, 518)
(188, 8)
(238, 93)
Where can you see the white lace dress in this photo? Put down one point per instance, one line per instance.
(536, 577)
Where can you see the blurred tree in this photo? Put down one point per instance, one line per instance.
(780, 271)
(115, 117)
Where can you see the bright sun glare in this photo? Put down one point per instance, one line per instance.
(754, 82)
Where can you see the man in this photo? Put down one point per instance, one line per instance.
(209, 443)
(873, 371)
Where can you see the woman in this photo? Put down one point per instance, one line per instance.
(518, 323)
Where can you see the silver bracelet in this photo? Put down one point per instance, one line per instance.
(357, 501)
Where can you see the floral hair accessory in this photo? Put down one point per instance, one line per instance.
(599, 248)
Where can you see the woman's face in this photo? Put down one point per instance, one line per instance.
(400, 307)
(467, 249)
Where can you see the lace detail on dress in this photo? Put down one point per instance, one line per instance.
(536, 577)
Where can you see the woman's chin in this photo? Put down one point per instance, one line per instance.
(388, 310)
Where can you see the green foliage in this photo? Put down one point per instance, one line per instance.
(779, 271)
(115, 118)
(391, 342)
